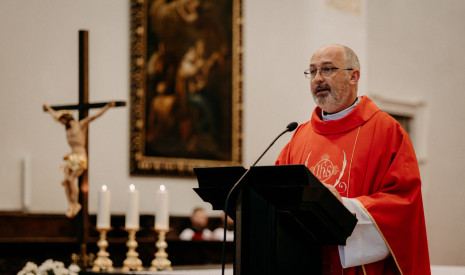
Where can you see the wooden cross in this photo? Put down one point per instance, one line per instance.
(82, 219)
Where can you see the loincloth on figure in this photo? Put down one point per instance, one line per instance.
(75, 162)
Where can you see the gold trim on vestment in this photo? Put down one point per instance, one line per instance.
(351, 159)
(382, 235)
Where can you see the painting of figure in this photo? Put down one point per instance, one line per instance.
(186, 89)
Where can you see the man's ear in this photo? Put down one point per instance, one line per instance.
(355, 76)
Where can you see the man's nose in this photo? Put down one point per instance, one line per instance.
(318, 78)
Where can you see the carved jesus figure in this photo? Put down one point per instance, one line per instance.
(76, 160)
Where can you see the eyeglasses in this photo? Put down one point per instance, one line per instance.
(325, 71)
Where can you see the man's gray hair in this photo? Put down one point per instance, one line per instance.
(350, 58)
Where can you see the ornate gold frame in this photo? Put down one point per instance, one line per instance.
(142, 163)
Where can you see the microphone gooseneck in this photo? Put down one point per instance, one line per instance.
(289, 128)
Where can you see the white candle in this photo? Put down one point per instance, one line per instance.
(26, 182)
(103, 214)
(161, 211)
(132, 210)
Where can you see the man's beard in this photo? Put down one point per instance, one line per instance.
(332, 101)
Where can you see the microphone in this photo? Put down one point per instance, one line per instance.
(289, 128)
(292, 126)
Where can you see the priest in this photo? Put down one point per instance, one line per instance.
(365, 158)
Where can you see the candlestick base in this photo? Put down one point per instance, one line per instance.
(161, 261)
(103, 262)
(132, 261)
(82, 261)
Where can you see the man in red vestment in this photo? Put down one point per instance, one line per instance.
(365, 158)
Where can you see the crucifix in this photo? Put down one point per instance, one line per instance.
(77, 134)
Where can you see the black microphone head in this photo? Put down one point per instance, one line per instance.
(291, 127)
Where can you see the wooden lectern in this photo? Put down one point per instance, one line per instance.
(283, 216)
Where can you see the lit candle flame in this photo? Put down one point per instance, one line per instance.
(162, 187)
(104, 188)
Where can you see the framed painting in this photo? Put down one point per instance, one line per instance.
(186, 85)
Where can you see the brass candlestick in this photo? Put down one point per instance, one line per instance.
(161, 261)
(103, 262)
(132, 261)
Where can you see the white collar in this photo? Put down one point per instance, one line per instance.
(341, 114)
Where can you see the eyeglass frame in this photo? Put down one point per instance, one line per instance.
(330, 72)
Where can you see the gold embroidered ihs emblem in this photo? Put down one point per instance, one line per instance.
(324, 169)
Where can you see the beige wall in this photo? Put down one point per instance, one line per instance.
(407, 50)
(415, 50)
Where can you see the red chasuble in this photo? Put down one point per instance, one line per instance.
(368, 156)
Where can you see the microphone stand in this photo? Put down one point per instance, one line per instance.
(290, 127)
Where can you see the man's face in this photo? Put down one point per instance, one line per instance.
(331, 93)
(66, 120)
(199, 220)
